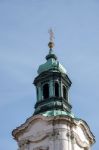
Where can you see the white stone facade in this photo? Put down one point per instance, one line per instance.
(53, 133)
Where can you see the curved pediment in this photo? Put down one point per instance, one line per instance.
(37, 122)
(36, 125)
(86, 130)
(30, 123)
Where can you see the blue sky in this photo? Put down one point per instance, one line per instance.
(24, 37)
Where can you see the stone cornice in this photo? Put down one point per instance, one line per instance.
(21, 129)
(54, 120)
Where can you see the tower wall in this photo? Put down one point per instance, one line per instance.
(53, 133)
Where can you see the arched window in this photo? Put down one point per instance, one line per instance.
(64, 92)
(56, 89)
(46, 91)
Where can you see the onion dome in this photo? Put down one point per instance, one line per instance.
(52, 63)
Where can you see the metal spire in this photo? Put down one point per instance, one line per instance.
(51, 43)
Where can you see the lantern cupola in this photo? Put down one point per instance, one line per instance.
(52, 86)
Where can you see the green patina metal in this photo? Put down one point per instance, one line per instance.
(50, 73)
(57, 113)
(51, 64)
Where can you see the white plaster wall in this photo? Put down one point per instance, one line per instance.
(34, 129)
(82, 135)
(61, 140)
(76, 147)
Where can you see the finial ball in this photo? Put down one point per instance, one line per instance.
(50, 45)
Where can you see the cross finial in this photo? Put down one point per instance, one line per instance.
(51, 34)
(51, 43)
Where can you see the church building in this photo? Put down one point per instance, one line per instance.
(53, 126)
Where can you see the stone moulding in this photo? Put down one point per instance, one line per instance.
(84, 126)
(32, 140)
(30, 121)
(37, 139)
(54, 120)
(80, 142)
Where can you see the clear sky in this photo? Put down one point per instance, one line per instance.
(24, 37)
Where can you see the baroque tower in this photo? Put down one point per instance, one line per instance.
(53, 126)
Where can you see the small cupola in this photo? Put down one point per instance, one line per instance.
(52, 86)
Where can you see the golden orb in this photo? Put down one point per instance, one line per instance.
(50, 45)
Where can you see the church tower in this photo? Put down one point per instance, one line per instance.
(53, 126)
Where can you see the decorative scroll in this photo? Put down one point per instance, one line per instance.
(80, 142)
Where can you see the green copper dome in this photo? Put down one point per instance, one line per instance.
(52, 64)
